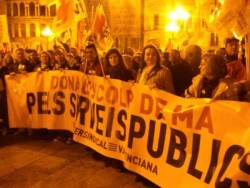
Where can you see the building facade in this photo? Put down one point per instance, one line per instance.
(192, 31)
(27, 18)
(124, 18)
(133, 23)
(26, 21)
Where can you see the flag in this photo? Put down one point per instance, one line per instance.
(82, 33)
(81, 19)
(64, 16)
(100, 30)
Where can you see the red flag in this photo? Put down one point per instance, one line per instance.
(99, 23)
(64, 16)
(101, 31)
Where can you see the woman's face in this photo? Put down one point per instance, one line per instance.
(70, 59)
(206, 70)
(150, 56)
(59, 57)
(113, 59)
(44, 58)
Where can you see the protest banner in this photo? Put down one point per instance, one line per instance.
(172, 141)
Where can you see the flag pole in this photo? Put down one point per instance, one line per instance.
(247, 54)
(142, 23)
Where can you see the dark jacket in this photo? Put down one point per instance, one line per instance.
(119, 72)
(182, 76)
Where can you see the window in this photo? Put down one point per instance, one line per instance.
(42, 10)
(32, 30)
(53, 10)
(15, 9)
(156, 21)
(32, 9)
(8, 9)
(16, 30)
(22, 9)
(10, 30)
(23, 30)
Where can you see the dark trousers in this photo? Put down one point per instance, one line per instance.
(3, 110)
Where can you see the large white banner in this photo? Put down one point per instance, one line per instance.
(172, 141)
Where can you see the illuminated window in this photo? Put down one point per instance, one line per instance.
(8, 10)
(42, 27)
(53, 10)
(32, 30)
(32, 9)
(15, 9)
(23, 30)
(42, 11)
(22, 9)
(16, 30)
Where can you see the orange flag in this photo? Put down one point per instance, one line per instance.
(101, 31)
(65, 16)
(82, 23)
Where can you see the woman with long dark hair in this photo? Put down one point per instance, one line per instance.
(152, 73)
(115, 67)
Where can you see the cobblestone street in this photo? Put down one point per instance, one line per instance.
(36, 161)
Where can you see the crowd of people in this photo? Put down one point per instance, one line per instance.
(190, 73)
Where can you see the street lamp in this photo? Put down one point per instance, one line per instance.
(177, 22)
(179, 14)
(47, 33)
(172, 28)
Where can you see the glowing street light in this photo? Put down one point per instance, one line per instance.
(179, 14)
(177, 21)
(172, 15)
(172, 27)
(47, 33)
(182, 13)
